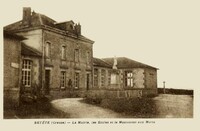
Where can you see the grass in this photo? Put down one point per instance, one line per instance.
(41, 108)
(134, 107)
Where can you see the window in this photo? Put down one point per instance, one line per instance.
(63, 52)
(77, 78)
(76, 55)
(63, 80)
(26, 73)
(129, 78)
(103, 75)
(96, 77)
(109, 77)
(48, 50)
(88, 57)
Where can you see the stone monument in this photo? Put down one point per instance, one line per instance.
(115, 79)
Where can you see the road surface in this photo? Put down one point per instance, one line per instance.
(167, 106)
(77, 109)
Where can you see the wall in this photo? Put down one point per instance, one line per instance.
(35, 71)
(34, 38)
(151, 78)
(107, 84)
(12, 52)
(109, 94)
(138, 78)
(56, 64)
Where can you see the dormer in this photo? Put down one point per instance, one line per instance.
(69, 26)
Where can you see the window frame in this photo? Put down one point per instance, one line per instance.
(76, 55)
(103, 77)
(129, 79)
(88, 57)
(27, 72)
(62, 79)
(77, 80)
(63, 52)
(48, 49)
(96, 77)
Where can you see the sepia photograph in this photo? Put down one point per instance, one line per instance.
(113, 60)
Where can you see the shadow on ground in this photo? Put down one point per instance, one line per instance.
(41, 108)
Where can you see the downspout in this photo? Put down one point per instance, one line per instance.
(20, 73)
(42, 73)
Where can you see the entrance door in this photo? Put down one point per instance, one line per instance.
(47, 81)
(88, 81)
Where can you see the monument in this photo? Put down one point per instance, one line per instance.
(115, 78)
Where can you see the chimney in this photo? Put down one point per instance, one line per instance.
(26, 16)
(78, 29)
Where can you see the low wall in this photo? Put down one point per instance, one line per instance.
(121, 93)
(102, 93)
(175, 91)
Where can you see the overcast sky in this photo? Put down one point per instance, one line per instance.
(161, 33)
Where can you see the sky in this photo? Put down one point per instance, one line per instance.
(164, 34)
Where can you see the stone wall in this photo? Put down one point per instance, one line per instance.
(150, 78)
(12, 67)
(56, 64)
(134, 93)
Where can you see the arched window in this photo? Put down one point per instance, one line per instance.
(48, 49)
(63, 52)
(76, 55)
(88, 57)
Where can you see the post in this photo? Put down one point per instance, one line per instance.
(163, 87)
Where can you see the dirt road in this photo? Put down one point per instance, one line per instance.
(166, 106)
(77, 109)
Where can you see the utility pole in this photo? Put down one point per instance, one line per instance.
(163, 87)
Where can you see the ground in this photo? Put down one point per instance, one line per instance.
(166, 106)
(174, 106)
(162, 106)
(77, 109)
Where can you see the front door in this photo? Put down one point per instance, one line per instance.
(47, 81)
(88, 81)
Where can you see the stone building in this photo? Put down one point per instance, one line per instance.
(121, 74)
(21, 72)
(66, 55)
(56, 59)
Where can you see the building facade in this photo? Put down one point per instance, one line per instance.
(57, 60)
(66, 55)
(125, 77)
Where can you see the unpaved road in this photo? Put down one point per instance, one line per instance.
(167, 106)
(77, 109)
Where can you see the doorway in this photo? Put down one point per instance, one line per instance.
(87, 81)
(47, 81)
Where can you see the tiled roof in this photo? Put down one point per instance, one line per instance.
(123, 63)
(38, 19)
(100, 63)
